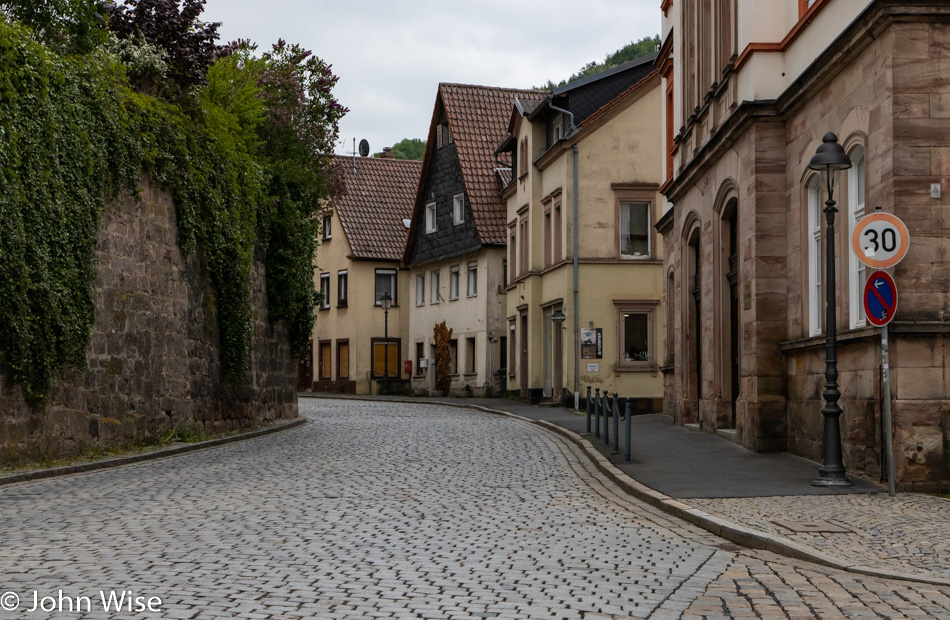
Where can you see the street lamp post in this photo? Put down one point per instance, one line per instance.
(386, 301)
(830, 158)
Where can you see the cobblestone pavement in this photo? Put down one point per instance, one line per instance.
(379, 510)
(909, 535)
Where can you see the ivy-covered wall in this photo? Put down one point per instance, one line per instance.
(153, 361)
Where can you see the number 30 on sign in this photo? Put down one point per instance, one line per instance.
(880, 240)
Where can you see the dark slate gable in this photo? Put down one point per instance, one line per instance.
(444, 181)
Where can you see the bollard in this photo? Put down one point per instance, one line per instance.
(597, 412)
(606, 418)
(616, 414)
(628, 416)
(588, 410)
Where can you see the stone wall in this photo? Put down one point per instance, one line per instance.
(153, 361)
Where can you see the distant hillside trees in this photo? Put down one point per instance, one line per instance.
(631, 51)
(408, 148)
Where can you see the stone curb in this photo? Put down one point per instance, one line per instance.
(172, 450)
(747, 537)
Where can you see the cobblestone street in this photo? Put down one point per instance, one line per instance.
(392, 510)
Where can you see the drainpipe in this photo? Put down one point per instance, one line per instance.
(577, 332)
(570, 114)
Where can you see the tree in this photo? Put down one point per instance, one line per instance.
(408, 148)
(631, 51)
(442, 335)
(188, 42)
(64, 25)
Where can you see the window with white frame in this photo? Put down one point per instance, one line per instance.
(635, 230)
(635, 335)
(430, 218)
(472, 280)
(325, 290)
(453, 283)
(420, 289)
(856, 269)
(434, 285)
(458, 209)
(386, 283)
(327, 226)
(342, 288)
(813, 233)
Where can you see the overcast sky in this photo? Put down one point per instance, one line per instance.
(391, 55)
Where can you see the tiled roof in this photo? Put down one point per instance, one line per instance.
(379, 196)
(478, 119)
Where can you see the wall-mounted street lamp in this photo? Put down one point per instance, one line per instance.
(558, 316)
(386, 301)
(829, 159)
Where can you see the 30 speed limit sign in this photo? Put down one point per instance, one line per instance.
(880, 240)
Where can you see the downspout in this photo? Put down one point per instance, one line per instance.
(573, 128)
(577, 333)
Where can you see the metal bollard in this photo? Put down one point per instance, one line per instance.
(606, 417)
(616, 413)
(627, 457)
(588, 409)
(597, 412)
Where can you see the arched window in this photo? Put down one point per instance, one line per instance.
(813, 235)
(856, 269)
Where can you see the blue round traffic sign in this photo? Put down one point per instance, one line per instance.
(880, 298)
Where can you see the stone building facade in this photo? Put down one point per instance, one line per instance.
(745, 254)
(153, 361)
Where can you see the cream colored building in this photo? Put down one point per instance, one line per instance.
(455, 251)
(587, 167)
(356, 263)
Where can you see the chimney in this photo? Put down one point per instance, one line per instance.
(387, 153)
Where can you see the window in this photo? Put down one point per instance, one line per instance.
(813, 231)
(385, 357)
(512, 352)
(454, 349)
(523, 157)
(556, 232)
(470, 355)
(325, 290)
(635, 335)
(454, 284)
(438, 135)
(386, 283)
(420, 289)
(670, 146)
(504, 273)
(513, 249)
(804, 5)
(523, 234)
(341, 289)
(857, 271)
(547, 236)
(458, 209)
(324, 365)
(420, 355)
(447, 134)
(430, 218)
(342, 359)
(634, 230)
(555, 130)
(435, 287)
(327, 221)
(472, 280)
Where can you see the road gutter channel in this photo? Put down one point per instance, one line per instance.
(173, 450)
(747, 537)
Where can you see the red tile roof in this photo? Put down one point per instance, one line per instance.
(478, 119)
(379, 196)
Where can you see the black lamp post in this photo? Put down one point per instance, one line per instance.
(830, 158)
(386, 301)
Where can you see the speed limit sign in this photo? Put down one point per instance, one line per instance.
(880, 240)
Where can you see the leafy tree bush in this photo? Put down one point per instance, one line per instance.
(631, 51)
(408, 148)
(442, 336)
(63, 25)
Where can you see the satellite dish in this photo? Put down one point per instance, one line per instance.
(364, 148)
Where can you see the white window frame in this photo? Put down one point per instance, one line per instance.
(454, 283)
(421, 289)
(325, 289)
(392, 275)
(857, 271)
(431, 225)
(472, 280)
(327, 226)
(814, 240)
(622, 230)
(343, 288)
(458, 209)
(434, 285)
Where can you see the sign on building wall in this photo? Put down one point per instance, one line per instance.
(592, 343)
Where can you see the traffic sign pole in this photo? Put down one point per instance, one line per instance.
(888, 424)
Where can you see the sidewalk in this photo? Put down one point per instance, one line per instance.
(763, 501)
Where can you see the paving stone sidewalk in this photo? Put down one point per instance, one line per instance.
(903, 537)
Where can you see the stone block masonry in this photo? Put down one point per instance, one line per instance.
(153, 361)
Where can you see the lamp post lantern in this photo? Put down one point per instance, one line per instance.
(386, 301)
(829, 159)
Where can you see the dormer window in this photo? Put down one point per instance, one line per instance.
(555, 130)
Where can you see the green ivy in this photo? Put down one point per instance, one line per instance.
(74, 135)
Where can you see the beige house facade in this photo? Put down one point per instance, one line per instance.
(586, 172)
(750, 88)
(355, 341)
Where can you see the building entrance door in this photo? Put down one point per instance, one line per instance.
(548, 355)
(733, 277)
(305, 370)
(523, 365)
